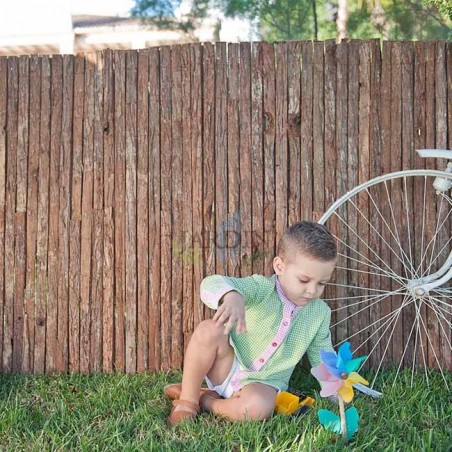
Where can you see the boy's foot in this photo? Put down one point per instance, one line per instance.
(174, 391)
(182, 410)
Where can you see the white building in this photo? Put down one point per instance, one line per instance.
(49, 26)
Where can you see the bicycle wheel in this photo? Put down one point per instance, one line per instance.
(392, 231)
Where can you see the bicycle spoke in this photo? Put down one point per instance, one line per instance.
(387, 226)
(384, 241)
(423, 224)
(442, 249)
(376, 255)
(438, 315)
(396, 318)
(371, 265)
(404, 350)
(363, 271)
(413, 272)
(362, 309)
(433, 239)
(393, 217)
(433, 350)
(418, 334)
(437, 305)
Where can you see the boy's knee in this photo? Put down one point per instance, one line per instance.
(258, 408)
(208, 331)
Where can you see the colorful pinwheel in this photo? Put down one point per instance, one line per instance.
(337, 375)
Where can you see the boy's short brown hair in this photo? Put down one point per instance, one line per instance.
(309, 238)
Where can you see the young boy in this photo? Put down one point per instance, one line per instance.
(262, 328)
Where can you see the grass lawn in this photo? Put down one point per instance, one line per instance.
(118, 412)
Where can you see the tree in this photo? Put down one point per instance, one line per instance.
(444, 7)
(162, 13)
(397, 19)
(282, 19)
(277, 20)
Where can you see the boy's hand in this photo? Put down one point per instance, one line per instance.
(231, 312)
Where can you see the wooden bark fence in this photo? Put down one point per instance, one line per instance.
(126, 176)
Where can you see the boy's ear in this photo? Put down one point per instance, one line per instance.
(278, 265)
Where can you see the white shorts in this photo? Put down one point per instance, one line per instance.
(225, 390)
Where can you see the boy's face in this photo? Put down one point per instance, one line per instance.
(303, 278)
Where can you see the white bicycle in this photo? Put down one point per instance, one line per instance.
(392, 295)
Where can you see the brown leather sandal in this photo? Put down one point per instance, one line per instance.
(173, 391)
(188, 410)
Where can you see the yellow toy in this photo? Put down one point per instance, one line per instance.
(288, 403)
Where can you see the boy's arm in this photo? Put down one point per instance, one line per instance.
(321, 341)
(214, 287)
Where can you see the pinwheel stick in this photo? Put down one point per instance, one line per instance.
(342, 414)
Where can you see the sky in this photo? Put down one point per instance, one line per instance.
(101, 7)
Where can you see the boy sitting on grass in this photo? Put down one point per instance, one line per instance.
(263, 326)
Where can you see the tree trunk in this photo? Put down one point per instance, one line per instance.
(316, 26)
(342, 19)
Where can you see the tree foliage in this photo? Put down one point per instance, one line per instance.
(161, 13)
(444, 7)
(398, 20)
(315, 19)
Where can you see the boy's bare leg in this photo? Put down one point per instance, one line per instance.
(208, 353)
(254, 401)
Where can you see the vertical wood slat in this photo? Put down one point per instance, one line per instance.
(318, 130)
(108, 126)
(419, 143)
(281, 131)
(142, 212)
(43, 205)
(407, 220)
(76, 215)
(62, 356)
(176, 209)
(87, 218)
(197, 177)
(10, 208)
(330, 93)
(443, 348)
(154, 211)
(339, 317)
(97, 219)
(395, 332)
(375, 148)
(221, 159)
(131, 213)
(166, 223)
(364, 171)
(269, 129)
(430, 326)
(119, 69)
(306, 145)
(449, 120)
(187, 257)
(232, 239)
(20, 215)
(209, 181)
(352, 174)
(246, 237)
(257, 172)
(54, 207)
(3, 150)
(32, 213)
(296, 133)
(385, 308)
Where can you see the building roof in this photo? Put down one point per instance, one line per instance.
(90, 33)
